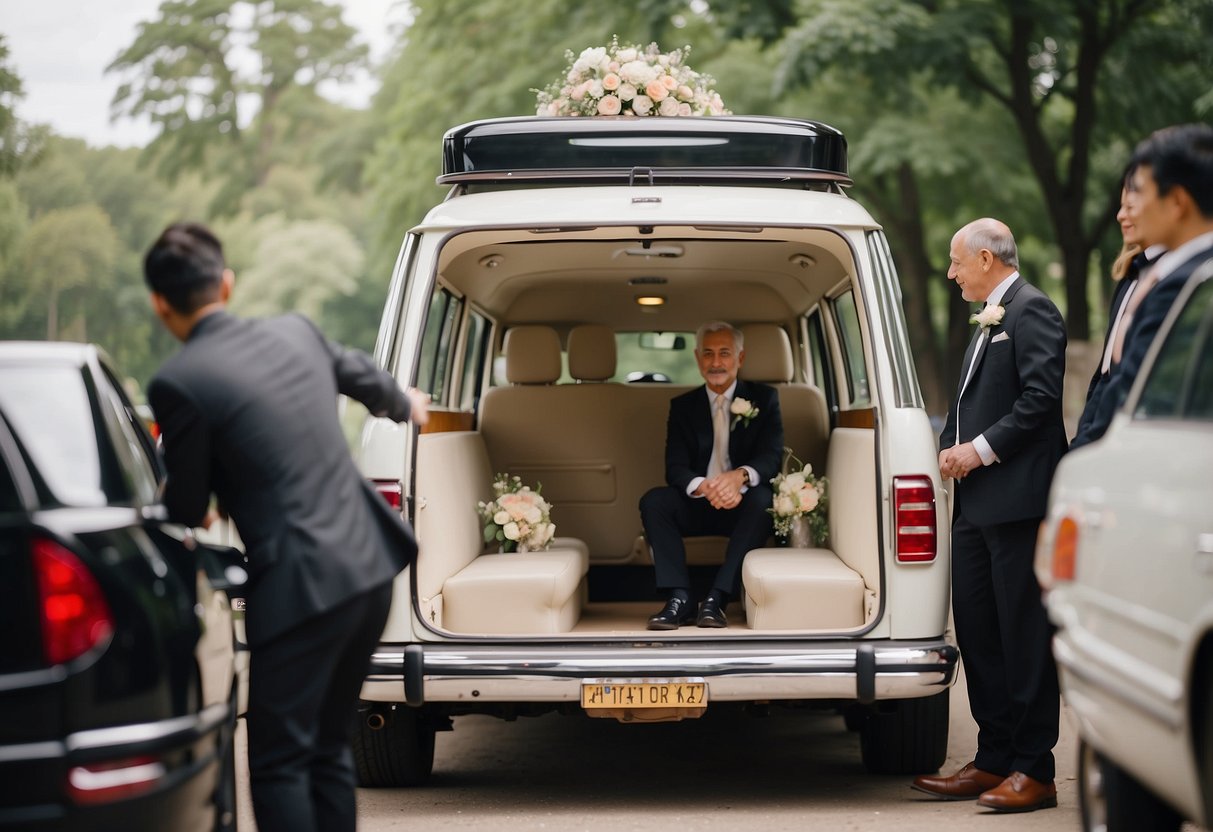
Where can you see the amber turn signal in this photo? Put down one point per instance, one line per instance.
(1065, 547)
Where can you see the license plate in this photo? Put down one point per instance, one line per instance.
(644, 693)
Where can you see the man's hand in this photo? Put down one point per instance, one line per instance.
(419, 406)
(956, 462)
(724, 491)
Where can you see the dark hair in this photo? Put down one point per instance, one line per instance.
(185, 265)
(1181, 155)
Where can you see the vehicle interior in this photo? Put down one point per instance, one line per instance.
(552, 354)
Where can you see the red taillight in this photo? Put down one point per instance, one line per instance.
(914, 519)
(1065, 547)
(75, 616)
(116, 780)
(391, 491)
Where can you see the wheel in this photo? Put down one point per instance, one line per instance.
(393, 746)
(909, 736)
(1111, 800)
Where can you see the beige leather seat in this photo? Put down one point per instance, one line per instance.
(806, 420)
(591, 352)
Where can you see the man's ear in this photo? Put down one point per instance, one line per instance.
(740, 357)
(225, 285)
(161, 306)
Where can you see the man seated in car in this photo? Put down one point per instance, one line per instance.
(724, 443)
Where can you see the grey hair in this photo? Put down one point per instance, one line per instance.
(719, 326)
(994, 236)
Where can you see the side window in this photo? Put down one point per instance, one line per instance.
(846, 316)
(816, 344)
(1180, 384)
(437, 344)
(475, 353)
(142, 452)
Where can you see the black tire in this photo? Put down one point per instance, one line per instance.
(909, 736)
(399, 753)
(1111, 800)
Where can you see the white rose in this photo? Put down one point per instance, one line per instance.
(656, 90)
(627, 92)
(533, 515)
(626, 55)
(510, 530)
(684, 92)
(609, 105)
(784, 505)
(684, 109)
(637, 72)
(669, 107)
(739, 406)
(795, 481)
(642, 105)
(501, 518)
(595, 88)
(786, 487)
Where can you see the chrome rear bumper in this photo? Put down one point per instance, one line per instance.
(860, 671)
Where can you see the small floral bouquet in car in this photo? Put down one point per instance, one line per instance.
(518, 519)
(799, 504)
(630, 81)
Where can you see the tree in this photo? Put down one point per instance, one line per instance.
(1081, 82)
(20, 144)
(68, 262)
(182, 73)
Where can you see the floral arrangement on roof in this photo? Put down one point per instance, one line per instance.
(630, 80)
(517, 518)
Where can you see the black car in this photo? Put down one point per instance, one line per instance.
(118, 682)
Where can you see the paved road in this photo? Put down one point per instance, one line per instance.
(726, 771)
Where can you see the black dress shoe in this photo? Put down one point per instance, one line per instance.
(673, 615)
(711, 613)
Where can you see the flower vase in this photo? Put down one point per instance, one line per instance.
(801, 536)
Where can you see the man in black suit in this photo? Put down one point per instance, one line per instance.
(1171, 204)
(248, 412)
(724, 443)
(1001, 442)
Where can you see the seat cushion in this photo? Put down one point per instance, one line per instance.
(521, 592)
(801, 589)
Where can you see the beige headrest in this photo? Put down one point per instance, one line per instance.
(768, 354)
(591, 352)
(532, 355)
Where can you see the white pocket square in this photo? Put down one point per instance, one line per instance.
(1002, 336)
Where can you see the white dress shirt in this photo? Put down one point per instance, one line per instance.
(988, 457)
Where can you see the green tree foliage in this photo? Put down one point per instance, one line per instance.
(68, 257)
(297, 266)
(184, 74)
(20, 144)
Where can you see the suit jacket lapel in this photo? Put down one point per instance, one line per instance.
(701, 422)
(1007, 297)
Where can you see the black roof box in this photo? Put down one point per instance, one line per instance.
(529, 148)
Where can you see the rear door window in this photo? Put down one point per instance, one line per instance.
(437, 344)
(51, 415)
(846, 317)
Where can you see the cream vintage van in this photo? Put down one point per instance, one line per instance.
(549, 305)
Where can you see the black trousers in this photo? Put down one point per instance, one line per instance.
(669, 515)
(1005, 641)
(303, 693)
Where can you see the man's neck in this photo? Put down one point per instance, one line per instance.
(186, 324)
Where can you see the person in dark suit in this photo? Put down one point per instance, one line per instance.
(1128, 267)
(724, 443)
(1172, 206)
(1002, 440)
(248, 412)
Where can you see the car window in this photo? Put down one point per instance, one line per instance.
(132, 446)
(1181, 378)
(667, 357)
(475, 353)
(897, 344)
(50, 412)
(10, 497)
(847, 318)
(437, 343)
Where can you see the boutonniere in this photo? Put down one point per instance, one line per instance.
(988, 317)
(742, 412)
